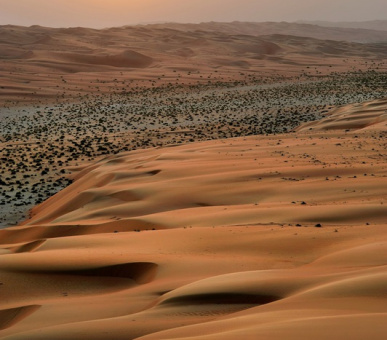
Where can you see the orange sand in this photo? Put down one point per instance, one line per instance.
(276, 237)
(45, 64)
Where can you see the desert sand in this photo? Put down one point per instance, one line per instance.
(249, 205)
(260, 237)
(40, 64)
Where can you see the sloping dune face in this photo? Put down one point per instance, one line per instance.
(369, 115)
(271, 237)
(374, 34)
(71, 49)
(270, 180)
(126, 59)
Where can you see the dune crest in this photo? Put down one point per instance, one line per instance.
(127, 58)
(10, 317)
(262, 236)
(364, 116)
(175, 195)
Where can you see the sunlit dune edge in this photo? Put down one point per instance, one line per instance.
(272, 237)
(364, 116)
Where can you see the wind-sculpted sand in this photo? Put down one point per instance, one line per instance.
(270, 237)
(369, 115)
(213, 181)
(39, 144)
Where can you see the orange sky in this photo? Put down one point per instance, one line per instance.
(107, 13)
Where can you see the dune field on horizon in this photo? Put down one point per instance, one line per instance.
(193, 181)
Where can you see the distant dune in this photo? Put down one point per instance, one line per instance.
(34, 59)
(376, 25)
(128, 58)
(352, 33)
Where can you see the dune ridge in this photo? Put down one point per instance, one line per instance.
(255, 237)
(375, 32)
(370, 116)
(175, 194)
(9, 317)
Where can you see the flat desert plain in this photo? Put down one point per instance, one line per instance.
(185, 182)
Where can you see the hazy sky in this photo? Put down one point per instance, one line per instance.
(108, 13)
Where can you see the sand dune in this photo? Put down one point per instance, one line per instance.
(371, 32)
(249, 281)
(369, 116)
(152, 54)
(379, 25)
(125, 59)
(241, 176)
(9, 317)
(268, 235)
(256, 237)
